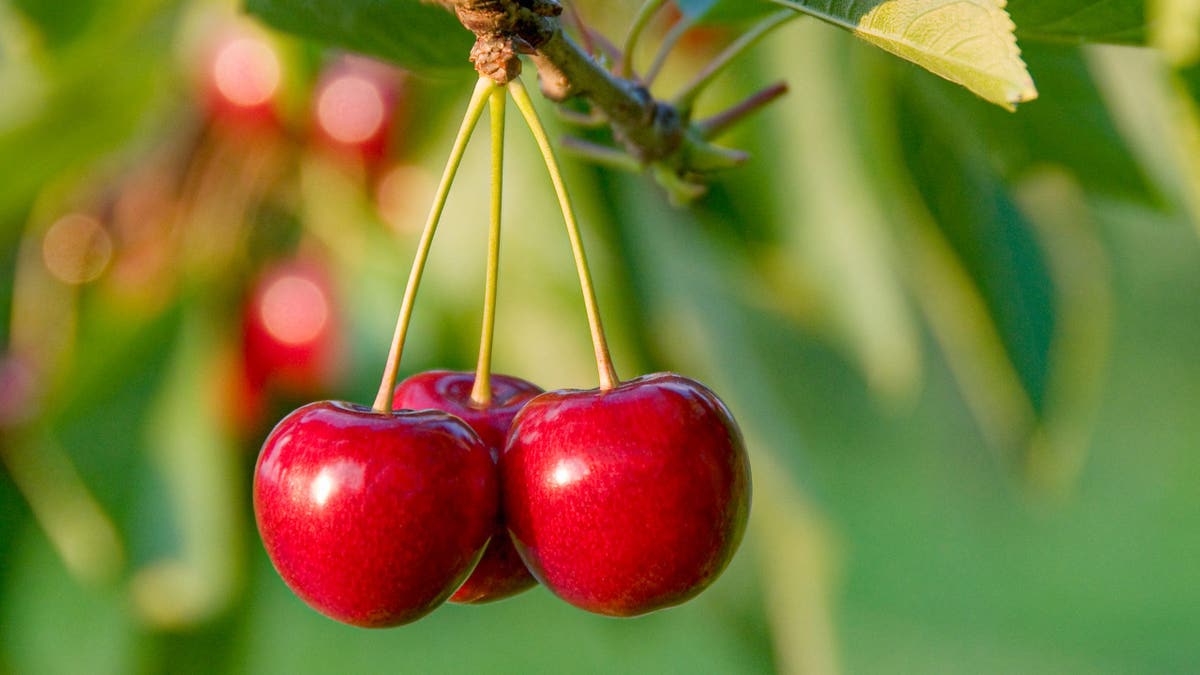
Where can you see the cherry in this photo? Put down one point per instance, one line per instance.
(355, 106)
(374, 519)
(627, 500)
(500, 573)
(290, 333)
(241, 79)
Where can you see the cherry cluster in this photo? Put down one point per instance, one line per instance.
(621, 502)
(472, 487)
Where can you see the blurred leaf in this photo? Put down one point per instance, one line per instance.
(1070, 127)
(98, 415)
(53, 625)
(1038, 272)
(1158, 121)
(59, 22)
(200, 469)
(836, 260)
(99, 95)
(1079, 350)
(1190, 77)
(989, 237)
(1114, 21)
(82, 534)
(414, 34)
(798, 558)
(969, 42)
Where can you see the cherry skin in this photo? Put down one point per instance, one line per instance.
(500, 573)
(629, 500)
(374, 519)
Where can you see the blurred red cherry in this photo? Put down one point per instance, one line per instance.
(290, 331)
(241, 79)
(355, 108)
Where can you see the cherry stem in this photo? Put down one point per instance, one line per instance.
(647, 11)
(483, 89)
(608, 375)
(687, 97)
(481, 391)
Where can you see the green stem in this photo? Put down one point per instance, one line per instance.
(483, 89)
(481, 392)
(687, 97)
(647, 11)
(608, 375)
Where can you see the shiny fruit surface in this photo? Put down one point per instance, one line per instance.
(500, 573)
(628, 500)
(374, 519)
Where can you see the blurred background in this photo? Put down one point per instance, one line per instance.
(963, 345)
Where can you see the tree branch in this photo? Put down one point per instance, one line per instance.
(653, 132)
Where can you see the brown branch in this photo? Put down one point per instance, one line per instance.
(653, 132)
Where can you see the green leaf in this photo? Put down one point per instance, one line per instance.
(59, 22)
(1071, 127)
(990, 238)
(1113, 21)
(115, 73)
(970, 42)
(415, 35)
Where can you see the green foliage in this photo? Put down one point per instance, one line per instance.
(962, 345)
(411, 33)
(59, 22)
(1108, 21)
(971, 43)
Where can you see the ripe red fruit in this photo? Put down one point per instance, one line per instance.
(629, 500)
(241, 79)
(374, 519)
(500, 573)
(290, 332)
(355, 107)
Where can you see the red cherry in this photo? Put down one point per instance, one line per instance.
(289, 329)
(355, 106)
(242, 77)
(629, 500)
(374, 519)
(500, 573)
